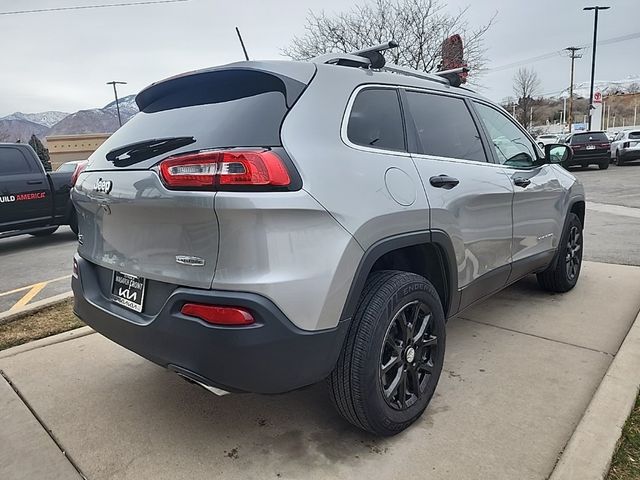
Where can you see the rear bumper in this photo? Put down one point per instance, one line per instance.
(584, 158)
(270, 356)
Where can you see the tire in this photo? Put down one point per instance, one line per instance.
(604, 165)
(73, 221)
(562, 276)
(619, 160)
(44, 233)
(390, 300)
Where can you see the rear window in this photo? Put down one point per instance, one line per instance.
(228, 108)
(13, 161)
(66, 167)
(375, 120)
(634, 135)
(589, 137)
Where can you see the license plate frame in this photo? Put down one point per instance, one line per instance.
(128, 290)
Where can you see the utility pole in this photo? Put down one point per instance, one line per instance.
(573, 55)
(593, 56)
(115, 93)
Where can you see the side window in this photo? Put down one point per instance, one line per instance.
(375, 120)
(13, 162)
(511, 146)
(445, 127)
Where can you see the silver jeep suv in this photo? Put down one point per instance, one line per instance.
(262, 226)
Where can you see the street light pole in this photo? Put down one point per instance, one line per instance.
(593, 56)
(115, 93)
(573, 55)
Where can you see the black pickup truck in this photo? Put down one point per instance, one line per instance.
(31, 200)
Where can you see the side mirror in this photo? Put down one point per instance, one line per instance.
(557, 153)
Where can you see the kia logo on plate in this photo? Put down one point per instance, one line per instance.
(103, 186)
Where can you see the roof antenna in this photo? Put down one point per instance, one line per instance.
(242, 43)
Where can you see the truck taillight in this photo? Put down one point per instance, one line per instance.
(224, 169)
(78, 170)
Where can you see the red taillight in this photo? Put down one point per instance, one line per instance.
(218, 315)
(213, 169)
(603, 145)
(78, 170)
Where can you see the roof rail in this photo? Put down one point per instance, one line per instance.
(410, 72)
(371, 57)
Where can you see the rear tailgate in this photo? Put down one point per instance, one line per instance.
(128, 218)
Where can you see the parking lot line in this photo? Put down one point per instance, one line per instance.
(27, 287)
(28, 296)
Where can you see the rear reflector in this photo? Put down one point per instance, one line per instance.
(218, 315)
(211, 170)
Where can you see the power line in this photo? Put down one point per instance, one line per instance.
(546, 56)
(86, 7)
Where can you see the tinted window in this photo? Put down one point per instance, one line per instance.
(510, 144)
(589, 137)
(224, 109)
(445, 127)
(634, 135)
(375, 120)
(12, 162)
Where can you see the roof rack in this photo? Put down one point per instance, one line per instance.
(372, 57)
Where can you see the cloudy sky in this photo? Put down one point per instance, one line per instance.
(61, 60)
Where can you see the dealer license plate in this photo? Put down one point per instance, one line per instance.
(128, 290)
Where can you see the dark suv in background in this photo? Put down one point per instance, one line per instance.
(589, 148)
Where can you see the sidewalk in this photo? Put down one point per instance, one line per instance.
(520, 371)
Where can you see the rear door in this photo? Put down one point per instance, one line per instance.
(132, 222)
(469, 197)
(537, 202)
(24, 192)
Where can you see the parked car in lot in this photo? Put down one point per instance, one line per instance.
(626, 147)
(32, 201)
(262, 226)
(589, 148)
(547, 139)
(75, 166)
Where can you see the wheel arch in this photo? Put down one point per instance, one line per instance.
(428, 253)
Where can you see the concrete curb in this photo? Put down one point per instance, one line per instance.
(45, 342)
(589, 450)
(9, 316)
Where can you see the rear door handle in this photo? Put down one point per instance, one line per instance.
(522, 182)
(34, 182)
(444, 181)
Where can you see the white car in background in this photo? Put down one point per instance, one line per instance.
(547, 138)
(626, 147)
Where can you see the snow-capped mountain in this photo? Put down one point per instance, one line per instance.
(47, 119)
(610, 87)
(20, 126)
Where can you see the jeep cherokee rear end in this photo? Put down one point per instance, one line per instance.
(265, 225)
(204, 212)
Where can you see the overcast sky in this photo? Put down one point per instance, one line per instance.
(61, 60)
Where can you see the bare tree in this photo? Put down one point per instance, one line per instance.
(419, 26)
(525, 86)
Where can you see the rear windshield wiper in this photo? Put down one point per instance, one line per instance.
(140, 151)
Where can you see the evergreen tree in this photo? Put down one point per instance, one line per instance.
(43, 153)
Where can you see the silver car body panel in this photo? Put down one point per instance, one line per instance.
(476, 214)
(139, 227)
